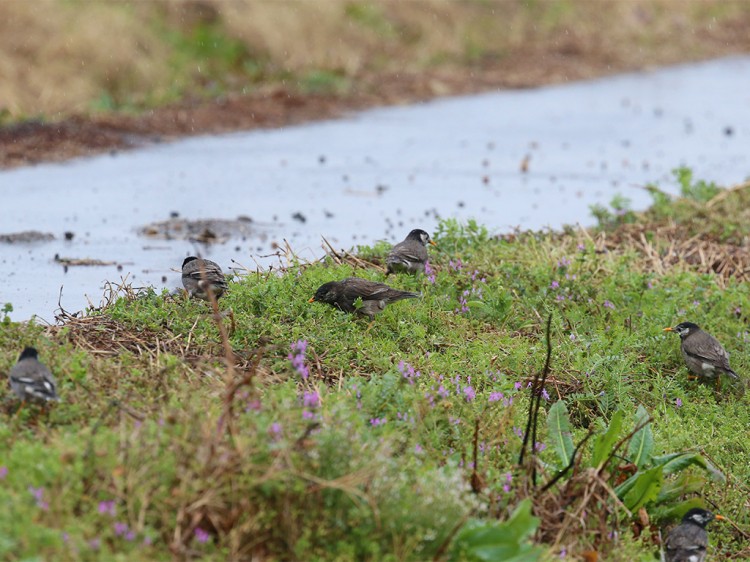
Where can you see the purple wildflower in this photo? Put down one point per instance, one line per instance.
(408, 372)
(3, 472)
(554, 285)
(130, 536)
(517, 385)
(275, 428)
(375, 422)
(418, 448)
(442, 392)
(581, 248)
(563, 262)
(429, 272)
(560, 298)
(496, 396)
(456, 265)
(469, 393)
(107, 507)
(539, 446)
(311, 399)
(297, 357)
(545, 394)
(121, 528)
(95, 544)
(508, 482)
(201, 536)
(38, 494)
(147, 541)
(678, 403)
(572, 337)
(308, 415)
(608, 304)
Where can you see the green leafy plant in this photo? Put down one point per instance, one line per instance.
(509, 541)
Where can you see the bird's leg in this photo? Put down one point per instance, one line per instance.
(370, 325)
(692, 377)
(718, 383)
(23, 403)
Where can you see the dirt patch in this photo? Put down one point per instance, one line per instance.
(34, 142)
(206, 231)
(26, 236)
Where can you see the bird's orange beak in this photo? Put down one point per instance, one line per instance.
(668, 330)
(720, 518)
(312, 299)
(433, 243)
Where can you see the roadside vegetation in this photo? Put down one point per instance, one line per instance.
(64, 57)
(527, 407)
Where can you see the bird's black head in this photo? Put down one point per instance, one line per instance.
(327, 292)
(684, 329)
(420, 236)
(700, 517)
(28, 353)
(188, 260)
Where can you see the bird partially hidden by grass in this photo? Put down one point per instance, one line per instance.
(704, 356)
(409, 256)
(372, 297)
(31, 380)
(199, 276)
(688, 542)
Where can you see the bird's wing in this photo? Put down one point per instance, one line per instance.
(355, 288)
(710, 351)
(211, 271)
(36, 379)
(406, 253)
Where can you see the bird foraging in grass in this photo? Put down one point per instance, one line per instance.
(410, 255)
(374, 296)
(688, 541)
(704, 356)
(199, 276)
(31, 380)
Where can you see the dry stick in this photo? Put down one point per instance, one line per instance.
(536, 392)
(332, 251)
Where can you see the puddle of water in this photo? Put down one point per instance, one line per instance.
(374, 175)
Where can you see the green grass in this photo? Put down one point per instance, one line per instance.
(369, 458)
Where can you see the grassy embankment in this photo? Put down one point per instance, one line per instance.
(159, 449)
(63, 57)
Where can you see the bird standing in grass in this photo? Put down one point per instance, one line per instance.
(410, 255)
(375, 296)
(704, 355)
(199, 276)
(31, 380)
(688, 541)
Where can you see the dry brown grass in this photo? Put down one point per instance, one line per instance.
(60, 56)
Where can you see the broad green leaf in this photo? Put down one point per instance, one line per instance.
(480, 540)
(606, 442)
(644, 488)
(642, 443)
(686, 483)
(558, 424)
(676, 462)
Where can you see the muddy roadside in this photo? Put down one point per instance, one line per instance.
(33, 142)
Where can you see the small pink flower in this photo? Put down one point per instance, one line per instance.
(201, 536)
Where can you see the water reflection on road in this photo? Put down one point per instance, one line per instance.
(373, 175)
